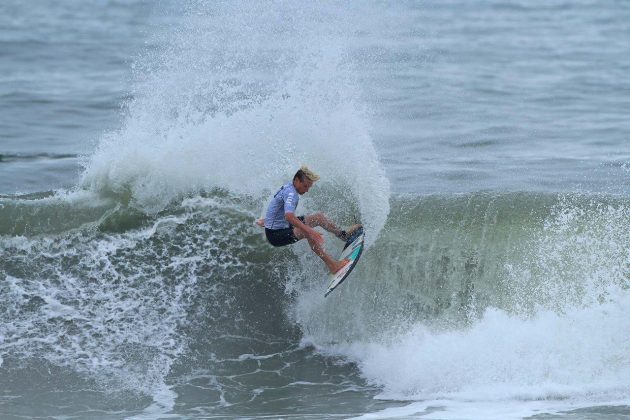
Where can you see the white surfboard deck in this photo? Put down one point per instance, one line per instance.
(352, 251)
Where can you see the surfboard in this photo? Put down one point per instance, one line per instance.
(352, 250)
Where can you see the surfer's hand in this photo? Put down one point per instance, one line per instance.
(260, 222)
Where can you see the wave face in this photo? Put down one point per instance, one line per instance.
(481, 296)
(119, 302)
(452, 257)
(488, 297)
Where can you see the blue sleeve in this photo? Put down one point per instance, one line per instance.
(290, 202)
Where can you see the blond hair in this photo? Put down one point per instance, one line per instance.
(305, 172)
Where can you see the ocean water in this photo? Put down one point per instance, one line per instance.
(484, 145)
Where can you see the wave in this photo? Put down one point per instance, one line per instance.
(461, 278)
(118, 304)
(152, 268)
(450, 258)
(487, 296)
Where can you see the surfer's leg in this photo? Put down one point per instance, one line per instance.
(332, 264)
(320, 219)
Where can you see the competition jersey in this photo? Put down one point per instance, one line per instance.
(285, 201)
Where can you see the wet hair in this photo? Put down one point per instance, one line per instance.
(305, 173)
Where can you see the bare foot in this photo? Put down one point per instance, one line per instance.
(339, 265)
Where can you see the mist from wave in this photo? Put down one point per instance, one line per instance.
(241, 107)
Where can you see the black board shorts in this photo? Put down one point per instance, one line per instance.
(282, 237)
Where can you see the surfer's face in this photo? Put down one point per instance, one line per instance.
(303, 186)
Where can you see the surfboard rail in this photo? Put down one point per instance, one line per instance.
(352, 250)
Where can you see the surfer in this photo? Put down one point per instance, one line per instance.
(283, 227)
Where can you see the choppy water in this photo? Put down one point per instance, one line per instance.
(485, 146)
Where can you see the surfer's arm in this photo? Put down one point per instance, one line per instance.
(261, 222)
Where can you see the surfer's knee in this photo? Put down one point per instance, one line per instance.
(315, 246)
(318, 218)
(297, 232)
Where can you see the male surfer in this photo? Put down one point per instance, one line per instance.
(283, 227)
